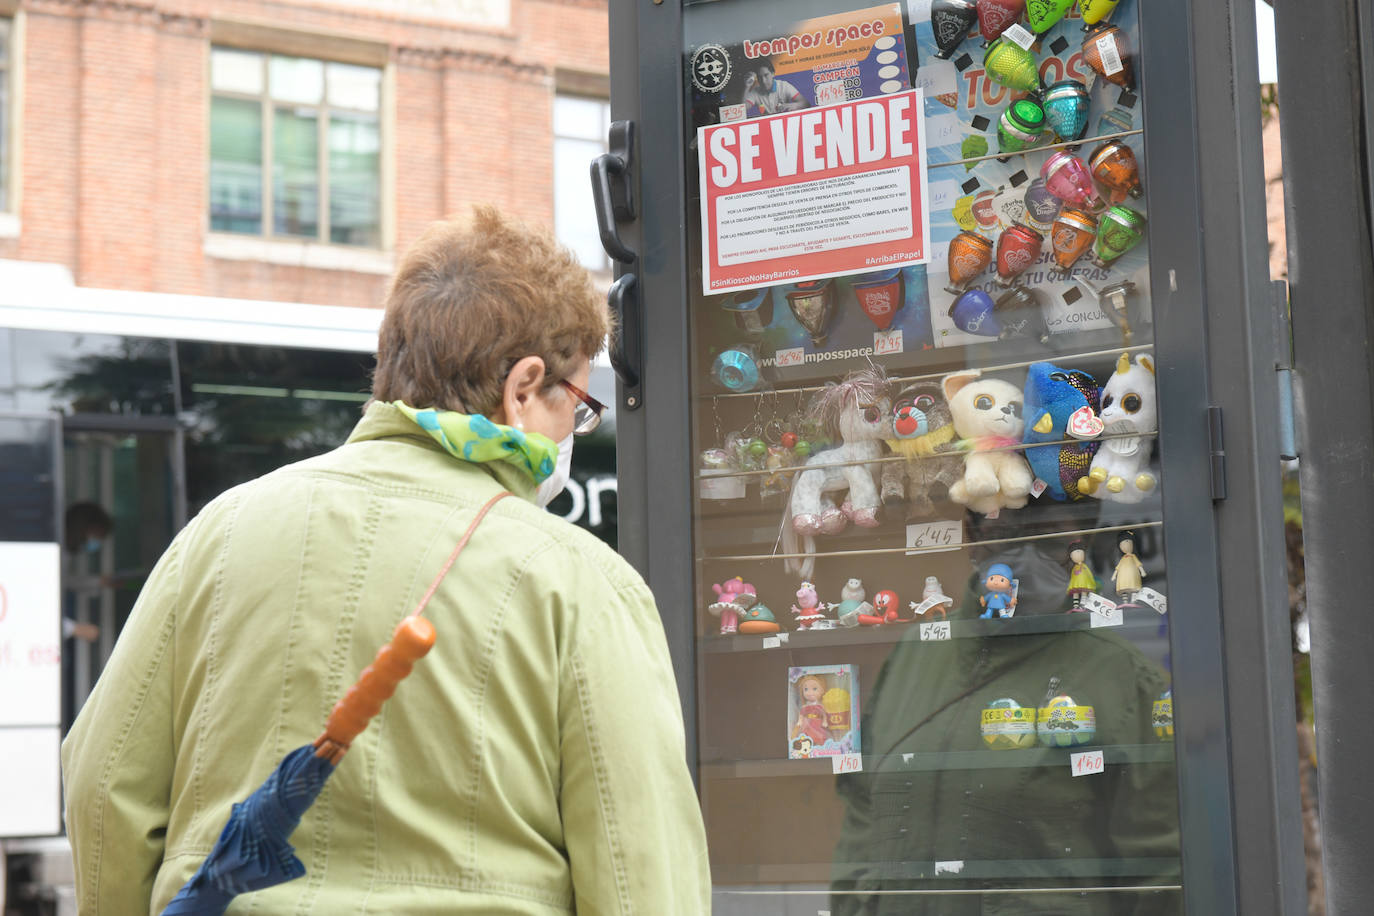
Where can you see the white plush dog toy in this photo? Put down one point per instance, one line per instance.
(987, 411)
(1120, 470)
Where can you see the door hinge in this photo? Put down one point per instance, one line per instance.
(1283, 365)
(1216, 449)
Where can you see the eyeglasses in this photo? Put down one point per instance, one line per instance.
(587, 413)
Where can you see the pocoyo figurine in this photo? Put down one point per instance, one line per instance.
(1081, 578)
(1129, 570)
(811, 716)
(732, 597)
(852, 607)
(999, 593)
(808, 608)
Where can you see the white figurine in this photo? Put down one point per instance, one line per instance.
(1121, 470)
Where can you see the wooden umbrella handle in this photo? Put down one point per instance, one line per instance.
(413, 637)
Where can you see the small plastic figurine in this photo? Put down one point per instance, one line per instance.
(1081, 578)
(999, 596)
(885, 603)
(732, 597)
(758, 620)
(811, 715)
(808, 608)
(1129, 571)
(933, 601)
(852, 607)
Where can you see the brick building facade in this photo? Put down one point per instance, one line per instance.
(107, 166)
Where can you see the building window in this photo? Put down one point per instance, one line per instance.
(580, 125)
(6, 129)
(295, 148)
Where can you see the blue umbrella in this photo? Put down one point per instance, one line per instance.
(254, 850)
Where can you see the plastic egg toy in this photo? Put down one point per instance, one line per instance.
(1162, 715)
(1008, 725)
(1064, 723)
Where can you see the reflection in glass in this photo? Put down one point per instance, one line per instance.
(235, 70)
(91, 373)
(295, 172)
(354, 182)
(235, 165)
(358, 88)
(296, 79)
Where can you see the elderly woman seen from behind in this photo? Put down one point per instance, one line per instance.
(534, 762)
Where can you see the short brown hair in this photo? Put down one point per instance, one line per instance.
(473, 296)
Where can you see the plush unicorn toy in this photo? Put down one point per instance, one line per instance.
(1121, 468)
(857, 412)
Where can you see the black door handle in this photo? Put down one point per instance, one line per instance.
(613, 191)
(626, 350)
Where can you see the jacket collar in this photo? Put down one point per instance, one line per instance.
(384, 421)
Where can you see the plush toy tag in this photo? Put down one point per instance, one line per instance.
(1038, 487)
(1152, 598)
(1084, 424)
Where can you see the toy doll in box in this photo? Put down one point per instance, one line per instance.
(822, 707)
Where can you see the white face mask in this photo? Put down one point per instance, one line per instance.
(555, 482)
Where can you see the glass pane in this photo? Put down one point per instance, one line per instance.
(354, 183)
(354, 87)
(927, 519)
(296, 79)
(574, 218)
(4, 41)
(295, 172)
(235, 165)
(91, 373)
(233, 70)
(586, 119)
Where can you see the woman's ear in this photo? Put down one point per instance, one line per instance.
(523, 382)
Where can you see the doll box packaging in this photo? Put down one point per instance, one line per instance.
(822, 711)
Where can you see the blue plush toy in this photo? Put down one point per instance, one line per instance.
(1061, 404)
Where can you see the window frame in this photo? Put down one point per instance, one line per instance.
(587, 88)
(11, 118)
(268, 44)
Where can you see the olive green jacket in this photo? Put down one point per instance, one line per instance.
(534, 762)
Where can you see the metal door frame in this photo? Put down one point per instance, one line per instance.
(1238, 793)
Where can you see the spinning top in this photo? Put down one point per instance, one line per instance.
(1020, 126)
(1106, 50)
(1114, 165)
(753, 310)
(1094, 11)
(951, 21)
(1072, 236)
(880, 295)
(981, 209)
(1041, 206)
(1068, 178)
(969, 255)
(1017, 249)
(1042, 14)
(1008, 64)
(1115, 299)
(813, 305)
(1018, 313)
(1119, 230)
(973, 312)
(1066, 104)
(736, 370)
(995, 15)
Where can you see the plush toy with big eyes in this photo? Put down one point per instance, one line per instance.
(922, 433)
(987, 416)
(1121, 469)
(1061, 411)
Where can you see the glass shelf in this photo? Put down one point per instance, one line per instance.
(1023, 871)
(1028, 758)
(1134, 619)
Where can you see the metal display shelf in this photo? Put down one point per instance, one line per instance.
(1112, 755)
(1134, 619)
